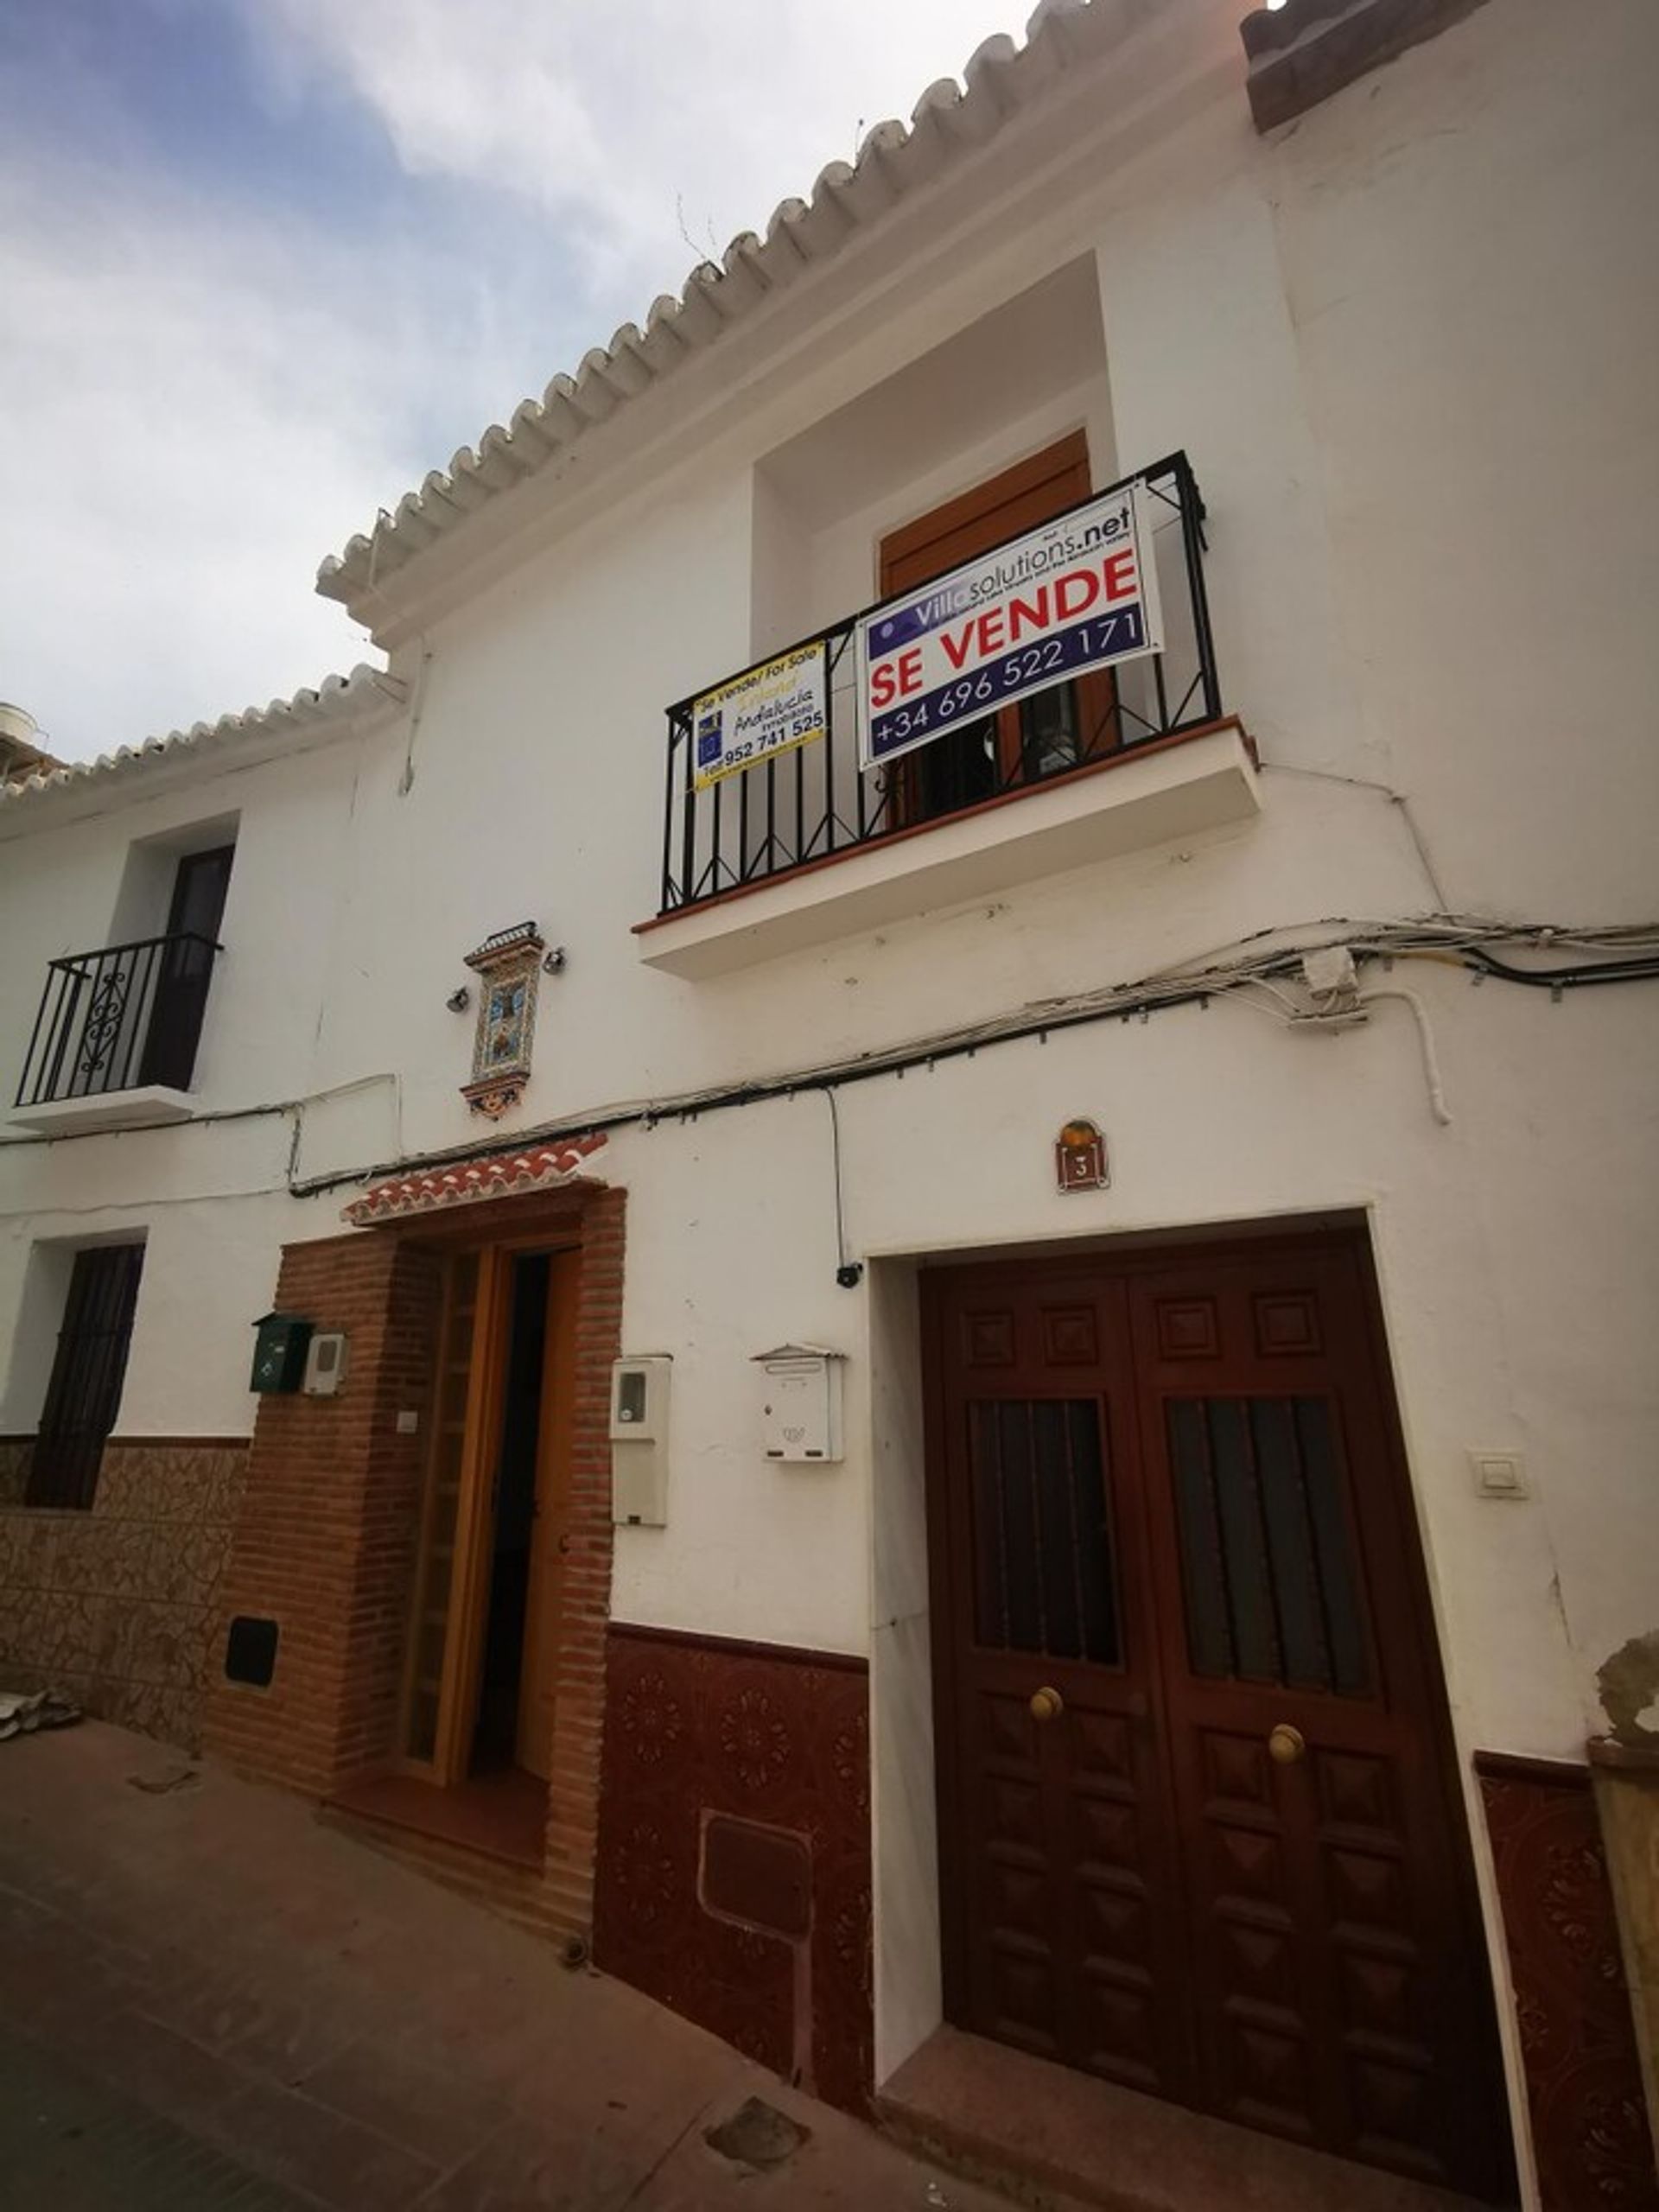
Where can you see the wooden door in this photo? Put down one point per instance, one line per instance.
(1069, 1940)
(1339, 1979)
(440, 1679)
(1042, 735)
(1295, 1864)
(538, 1672)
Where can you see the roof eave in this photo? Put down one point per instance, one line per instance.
(310, 716)
(950, 125)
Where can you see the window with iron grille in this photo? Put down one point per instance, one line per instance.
(87, 1372)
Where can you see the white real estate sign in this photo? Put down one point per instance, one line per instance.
(1075, 593)
(762, 713)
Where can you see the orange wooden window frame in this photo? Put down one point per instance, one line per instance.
(1003, 506)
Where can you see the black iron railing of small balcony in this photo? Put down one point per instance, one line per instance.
(814, 802)
(120, 1019)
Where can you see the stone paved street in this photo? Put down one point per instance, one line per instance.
(73, 2143)
(208, 2001)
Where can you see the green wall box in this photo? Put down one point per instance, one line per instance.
(279, 1347)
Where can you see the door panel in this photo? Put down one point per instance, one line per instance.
(446, 1631)
(435, 1574)
(1322, 1887)
(1067, 1946)
(1229, 1867)
(442, 1685)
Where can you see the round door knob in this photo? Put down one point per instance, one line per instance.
(1287, 1744)
(1047, 1705)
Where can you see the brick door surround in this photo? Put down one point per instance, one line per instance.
(326, 1540)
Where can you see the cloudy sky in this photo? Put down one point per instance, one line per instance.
(264, 263)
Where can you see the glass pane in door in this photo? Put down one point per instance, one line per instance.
(1268, 1567)
(1045, 1578)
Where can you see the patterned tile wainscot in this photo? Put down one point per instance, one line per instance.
(114, 1606)
(777, 1741)
(1578, 2042)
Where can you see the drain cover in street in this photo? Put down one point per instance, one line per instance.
(757, 2134)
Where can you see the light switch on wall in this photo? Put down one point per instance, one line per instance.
(408, 1423)
(1499, 1474)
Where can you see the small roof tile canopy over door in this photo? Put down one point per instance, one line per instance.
(538, 1167)
(509, 969)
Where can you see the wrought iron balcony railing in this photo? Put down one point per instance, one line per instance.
(113, 1021)
(815, 803)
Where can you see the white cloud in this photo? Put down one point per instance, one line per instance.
(206, 393)
(613, 114)
(208, 399)
(187, 454)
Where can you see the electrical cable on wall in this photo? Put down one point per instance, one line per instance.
(1262, 970)
(1437, 1104)
(849, 1273)
(1270, 958)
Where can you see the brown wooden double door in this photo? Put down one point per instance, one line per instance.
(1197, 1830)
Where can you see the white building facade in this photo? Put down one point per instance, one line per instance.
(1215, 1544)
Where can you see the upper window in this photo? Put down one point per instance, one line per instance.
(1044, 735)
(127, 1015)
(844, 741)
(83, 1395)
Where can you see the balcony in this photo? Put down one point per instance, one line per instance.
(114, 1042)
(807, 846)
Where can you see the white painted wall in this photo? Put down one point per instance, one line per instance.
(211, 1201)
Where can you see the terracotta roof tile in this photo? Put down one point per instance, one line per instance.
(336, 699)
(539, 1167)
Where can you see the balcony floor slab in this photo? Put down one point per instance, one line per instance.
(1176, 787)
(145, 1106)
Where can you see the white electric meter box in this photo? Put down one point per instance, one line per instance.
(640, 1441)
(325, 1364)
(800, 1402)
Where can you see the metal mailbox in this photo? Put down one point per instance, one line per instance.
(280, 1343)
